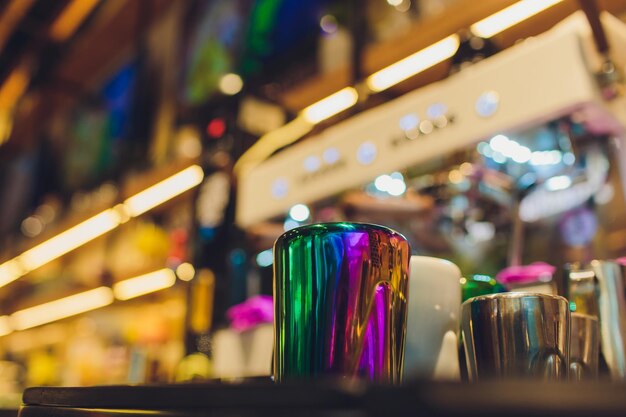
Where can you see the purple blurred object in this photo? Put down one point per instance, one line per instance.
(252, 312)
(525, 274)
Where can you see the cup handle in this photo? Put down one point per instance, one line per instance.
(447, 366)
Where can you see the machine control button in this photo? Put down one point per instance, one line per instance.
(280, 188)
(487, 103)
(366, 153)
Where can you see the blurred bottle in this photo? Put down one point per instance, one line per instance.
(42, 368)
(197, 363)
(580, 289)
(597, 290)
(478, 284)
(472, 49)
(335, 46)
(12, 375)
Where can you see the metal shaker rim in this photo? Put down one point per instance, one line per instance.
(584, 316)
(308, 229)
(514, 296)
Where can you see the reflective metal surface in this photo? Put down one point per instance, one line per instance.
(516, 335)
(612, 309)
(340, 302)
(584, 347)
(580, 289)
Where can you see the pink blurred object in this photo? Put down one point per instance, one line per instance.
(523, 274)
(252, 312)
(621, 261)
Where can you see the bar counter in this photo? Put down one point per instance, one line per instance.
(336, 398)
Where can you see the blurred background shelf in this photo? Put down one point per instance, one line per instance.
(127, 93)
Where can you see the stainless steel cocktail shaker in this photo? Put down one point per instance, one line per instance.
(516, 335)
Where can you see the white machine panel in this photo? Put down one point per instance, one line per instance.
(536, 81)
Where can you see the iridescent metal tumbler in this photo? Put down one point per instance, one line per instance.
(340, 302)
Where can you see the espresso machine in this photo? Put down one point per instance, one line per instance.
(516, 159)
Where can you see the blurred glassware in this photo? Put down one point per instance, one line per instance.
(475, 285)
(584, 347)
(612, 311)
(597, 289)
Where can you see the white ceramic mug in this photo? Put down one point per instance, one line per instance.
(433, 324)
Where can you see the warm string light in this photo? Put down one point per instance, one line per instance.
(413, 64)
(69, 240)
(331, 105)
(14, 87)
(510, 16)
(70, 18)
(271, 142)
(163, 191)
(10, 271)
(61, 308)
(86, 301)
(144, 284)
(100, 224)
(185, 271)
(5, 326)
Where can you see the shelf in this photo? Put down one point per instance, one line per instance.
(422, 34)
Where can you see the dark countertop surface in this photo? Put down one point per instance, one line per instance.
(339, 398)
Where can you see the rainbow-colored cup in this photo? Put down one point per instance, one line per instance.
(340, 300)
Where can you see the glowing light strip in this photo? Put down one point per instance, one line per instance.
(70, 18)
(5, 326)
(99, 224)
(86, 301)
(61, 308)
(163, 191)
(413, 64)
(298, 127)
(331, 105)
(10, 271)
(271, 142)
(510, 16)
(70, 239)
(144, 284)
(578, 275)
(13, 87)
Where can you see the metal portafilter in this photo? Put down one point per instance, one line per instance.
(340, 302)
(516, 335)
